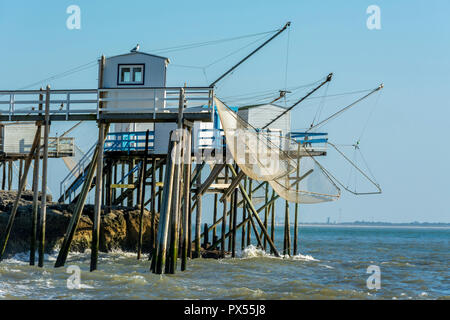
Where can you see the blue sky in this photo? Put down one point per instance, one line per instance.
(404, 141)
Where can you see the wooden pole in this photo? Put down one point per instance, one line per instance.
(20, 173)
(249, 231)
(10, 174)
(224, 218)
(235, 198)
(272, 229)
(153, 211)
(43, 215)
(266, 213)
(198, 216)
(244, 217)
(114, 191)
(296, 206)
(122, 171)
(230, 221)
(159, 258)
(215, 214)
(287, 239)
(37, 159)
(187, 200)
(35, 198)
(108, 189)
(4, 176)
(130, 198)
(142, 194)
(98, 182)
(205, 236)
(98, 198)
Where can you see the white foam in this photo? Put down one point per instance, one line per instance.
(253, 252)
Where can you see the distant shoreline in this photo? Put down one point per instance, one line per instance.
(377, 225)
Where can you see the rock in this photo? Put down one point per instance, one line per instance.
(119, 226)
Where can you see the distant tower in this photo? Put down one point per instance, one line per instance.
(328, 220)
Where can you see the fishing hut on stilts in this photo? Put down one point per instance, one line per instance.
(163, 149)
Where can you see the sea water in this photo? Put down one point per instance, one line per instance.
(332, 264)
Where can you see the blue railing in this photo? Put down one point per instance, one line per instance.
(129, 141)
(309, 137)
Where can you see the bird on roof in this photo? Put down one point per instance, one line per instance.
(135, 49)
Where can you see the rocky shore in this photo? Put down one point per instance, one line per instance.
(119, 227)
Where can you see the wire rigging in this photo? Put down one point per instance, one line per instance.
(208, 43)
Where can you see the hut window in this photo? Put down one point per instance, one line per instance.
(131, 74)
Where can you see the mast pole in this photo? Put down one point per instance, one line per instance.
(328, 79)
(249, 55)
(381, 86)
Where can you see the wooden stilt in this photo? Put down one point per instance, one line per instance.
(230, 221)
(142, 195)
(122, 190)
(215, 214)
(244, 217)
(159, 258)
(187, 201)
(249, 231)
(114, 191)
(108, 182)
(266, 213)
(205, 236)
(98, 197)
(20, 173)
(130, 198)
(224, 218)
(43, 215)
(287, 240)
(198, 215)
(235, 198)
(153, 210)
(34, 219)
(10, 174)
(4, 176)
(272, 229)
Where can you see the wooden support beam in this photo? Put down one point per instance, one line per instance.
(130, 198)
(98, 198)
(235, 196)
(249, 230)
(198, 215)
(232, 186)
(43, 215)
(159, 258)
(34, 218)
(142, 195)
(187, 201)
(212, 176)
(287, 240)
(224, 220)
(4, 176)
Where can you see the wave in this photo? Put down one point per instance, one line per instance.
(253, 252)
